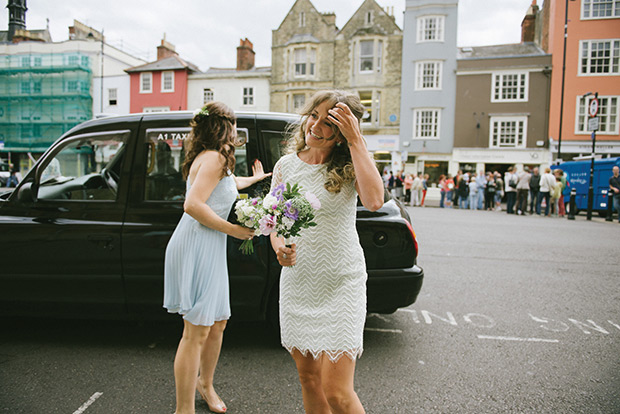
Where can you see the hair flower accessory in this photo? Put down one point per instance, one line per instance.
(202, 111)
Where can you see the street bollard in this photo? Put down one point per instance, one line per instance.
(610, 206)
(572, 205)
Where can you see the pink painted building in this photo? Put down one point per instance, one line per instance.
(592, 65)
(161, 85)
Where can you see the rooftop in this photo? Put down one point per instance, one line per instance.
(499, 51)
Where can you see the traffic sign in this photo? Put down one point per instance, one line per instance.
(593, 124)
(593, 108)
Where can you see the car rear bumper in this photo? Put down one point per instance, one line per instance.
(390, 289)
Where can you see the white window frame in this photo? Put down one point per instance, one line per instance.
(439, 32)
(248, 96)
(421, 67)
(112, 96)
(585, 47)
(501, 121)
(300, 62)
(608, 120)
(165, 73)
(587, 9)
(295, 101)
(434, 125)
(374, 109)
(497, 90)
(376, 57)
(302, 19)
(303, 62)
(144, 76)
(207, 95)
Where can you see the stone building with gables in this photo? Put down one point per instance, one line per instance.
(309, 53)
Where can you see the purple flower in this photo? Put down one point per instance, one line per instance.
(277, 192)
(290, 211)
(267, 225)
(254, 201)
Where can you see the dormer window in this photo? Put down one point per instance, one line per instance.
(368, 18)
(302, 19)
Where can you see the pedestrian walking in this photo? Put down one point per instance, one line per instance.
(424, 188)
(510, 188)
(481, 180)
(473, 193)
(490, 189)
(534, 189)
(323, 296)
(195, 274)
(407, 186)
(614, 189)
(547, 184)
(523, 191)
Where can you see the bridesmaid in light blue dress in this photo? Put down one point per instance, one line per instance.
(196, 273)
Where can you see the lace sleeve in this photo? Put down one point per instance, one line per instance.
(277, 176)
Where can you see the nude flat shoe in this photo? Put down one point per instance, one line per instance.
(219, 408)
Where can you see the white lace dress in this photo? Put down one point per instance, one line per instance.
(323, 297)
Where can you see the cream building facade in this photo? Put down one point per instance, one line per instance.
(309, 53)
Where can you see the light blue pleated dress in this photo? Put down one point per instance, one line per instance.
(196, 272)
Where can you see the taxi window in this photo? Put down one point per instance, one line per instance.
(86, 168)
(164, 162)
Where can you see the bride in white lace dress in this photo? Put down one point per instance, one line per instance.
(323, 296)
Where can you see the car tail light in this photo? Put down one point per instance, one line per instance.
(415, 240)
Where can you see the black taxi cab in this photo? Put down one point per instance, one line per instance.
(85, 232)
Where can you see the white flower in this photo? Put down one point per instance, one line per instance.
(287, 222)
(269, 201)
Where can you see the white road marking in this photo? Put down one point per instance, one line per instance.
(512, 338)
(398, 331)
(88, 403)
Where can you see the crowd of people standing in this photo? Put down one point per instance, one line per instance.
(526, 191)
(410, 188)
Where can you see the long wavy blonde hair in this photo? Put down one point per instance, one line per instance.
(339, 165)
(213, 128)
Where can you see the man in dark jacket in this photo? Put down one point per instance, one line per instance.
(534, 189)
(614, 188)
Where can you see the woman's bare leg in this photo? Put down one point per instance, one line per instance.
(208, 361)
(186, 364)
(338, 386)
(310, 371)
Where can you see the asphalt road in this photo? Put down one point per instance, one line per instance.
(517, 315)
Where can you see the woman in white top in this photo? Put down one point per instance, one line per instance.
(547, 184)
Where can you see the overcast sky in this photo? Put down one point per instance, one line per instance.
(207, 32)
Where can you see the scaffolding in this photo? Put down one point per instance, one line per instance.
(41, 97)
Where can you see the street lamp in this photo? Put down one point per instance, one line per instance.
(563, 77)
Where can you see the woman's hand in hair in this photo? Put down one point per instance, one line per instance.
(347, 123)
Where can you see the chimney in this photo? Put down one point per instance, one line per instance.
(17, 17)
(245, 55)
(330, 18)
(528, 25)
(166, 49)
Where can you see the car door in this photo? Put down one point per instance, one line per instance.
(156, 206)
(64, 226)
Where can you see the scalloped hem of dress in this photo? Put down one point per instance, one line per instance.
(334, 356)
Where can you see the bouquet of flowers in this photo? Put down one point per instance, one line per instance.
(285, 210)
